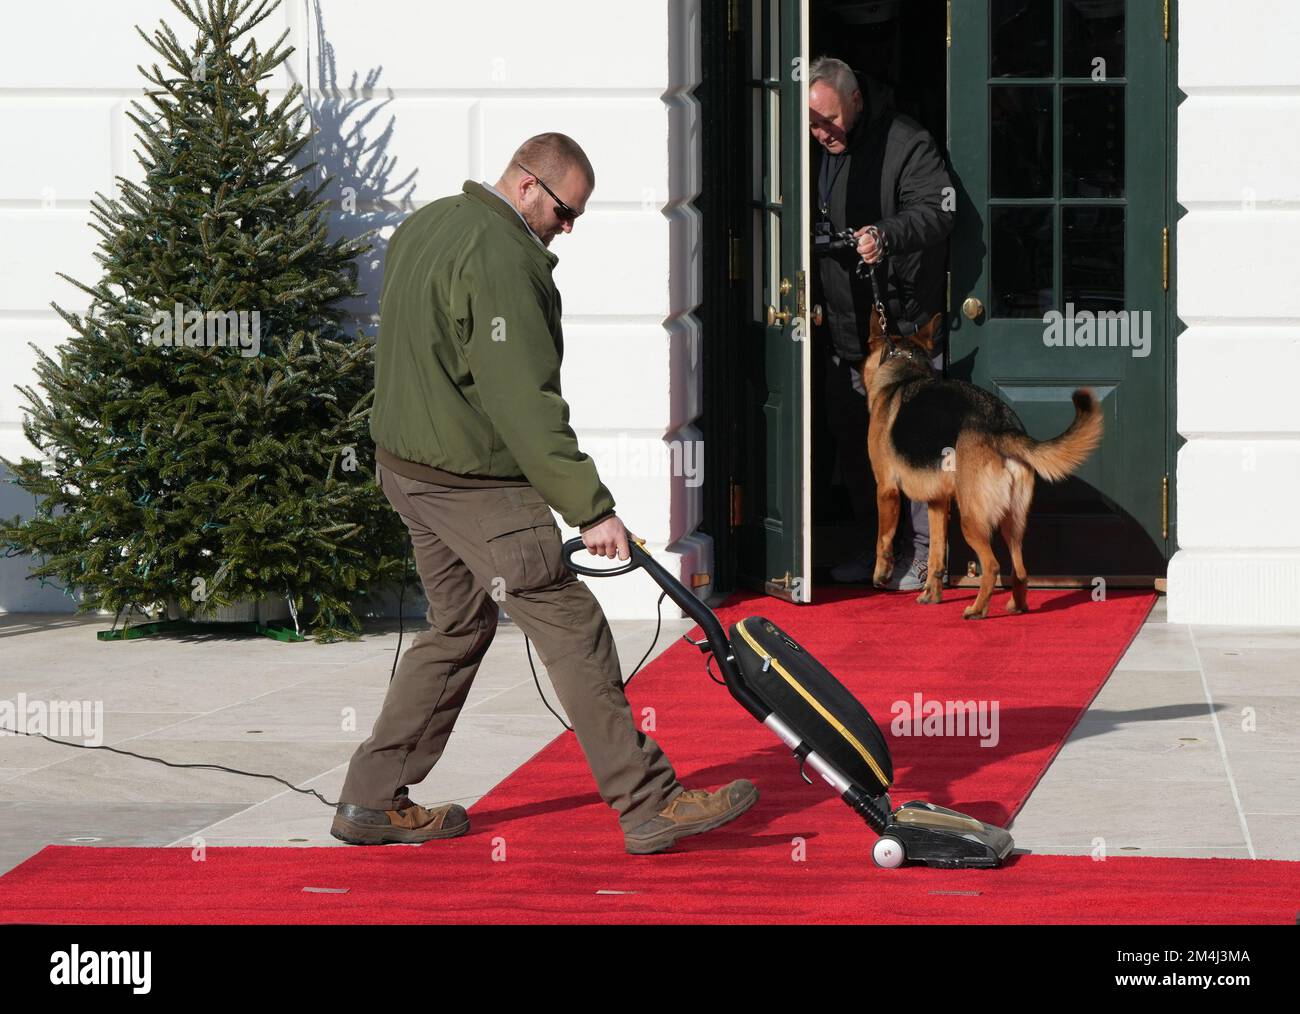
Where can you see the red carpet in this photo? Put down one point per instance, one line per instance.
(545, 849)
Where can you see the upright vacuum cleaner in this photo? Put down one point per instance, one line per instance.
(777, 681)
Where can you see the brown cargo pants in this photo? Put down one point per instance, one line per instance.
(475, 548)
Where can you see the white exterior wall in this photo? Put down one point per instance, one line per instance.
(414, 97)
(443, 91)
(1238, 559)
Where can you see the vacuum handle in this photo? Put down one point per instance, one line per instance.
(677, 591)
(691, 606)
(576, 543)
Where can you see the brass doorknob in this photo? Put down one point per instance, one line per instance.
(972, 308)
(817, 314)
(775, 316)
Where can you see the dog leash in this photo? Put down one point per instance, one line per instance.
(863, 267)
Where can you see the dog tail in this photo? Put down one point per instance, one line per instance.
(1056, 458)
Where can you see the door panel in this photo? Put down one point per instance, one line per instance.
(1057, 124)
(775, 533)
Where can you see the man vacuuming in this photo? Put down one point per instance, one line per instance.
(473, 449)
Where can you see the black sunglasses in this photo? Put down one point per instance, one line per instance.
(562, 211)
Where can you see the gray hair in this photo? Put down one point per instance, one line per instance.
(836, 73)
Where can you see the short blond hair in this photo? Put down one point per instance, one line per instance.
(550, 156)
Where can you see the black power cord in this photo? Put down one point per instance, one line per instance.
(528, 647)
(221, 767)
(397, 653)
(401, 595)
(173, 764)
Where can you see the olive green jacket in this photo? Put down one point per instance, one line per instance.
(467, 370)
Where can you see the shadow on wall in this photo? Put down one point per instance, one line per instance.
(350, 146)
(363, 191)
(364, 195)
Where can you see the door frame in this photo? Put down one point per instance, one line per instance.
(722, 311)
(725, 154)
(1174, 325)
(733, 497)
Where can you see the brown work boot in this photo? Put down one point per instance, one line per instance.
(407, 824)
(691, 812)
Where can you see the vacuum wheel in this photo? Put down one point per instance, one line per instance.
(888, 852)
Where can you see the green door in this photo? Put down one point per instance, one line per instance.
(775, 533)
(1057, 137)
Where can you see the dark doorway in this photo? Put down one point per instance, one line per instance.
(902, 47)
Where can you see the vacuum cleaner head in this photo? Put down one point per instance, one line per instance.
(832, 725)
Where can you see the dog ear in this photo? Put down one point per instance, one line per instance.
(925, 336)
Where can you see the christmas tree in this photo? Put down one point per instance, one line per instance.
(205, 430)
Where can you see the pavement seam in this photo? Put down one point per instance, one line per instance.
(1223, 747)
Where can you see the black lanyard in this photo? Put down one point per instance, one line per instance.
(826, 187)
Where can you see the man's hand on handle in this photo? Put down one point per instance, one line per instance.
(608, 539)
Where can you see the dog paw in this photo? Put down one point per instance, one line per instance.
(1014, 609)
(930, 597)
(971, 613)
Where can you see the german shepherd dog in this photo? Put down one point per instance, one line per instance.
(940, 440)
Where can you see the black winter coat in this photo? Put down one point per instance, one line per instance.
(915, 190)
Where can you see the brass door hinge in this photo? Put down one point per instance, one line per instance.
(737, 504)
(1166, 20)
(733, 17)
(950, 24)
(800, 303)
(1164, 507)
(733, 257)
(1164, 241)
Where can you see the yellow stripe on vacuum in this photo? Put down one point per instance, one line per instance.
(831, 719)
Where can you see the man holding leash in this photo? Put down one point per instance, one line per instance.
(473, 449)
(879, 173)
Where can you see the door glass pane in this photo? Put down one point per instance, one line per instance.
(1092, 141)
(774, 39)
(1093, 29)
(773, 262)
(1021, 37)
(1021, 141)
(1020, 258)
(774, 146)
(1092, 258)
